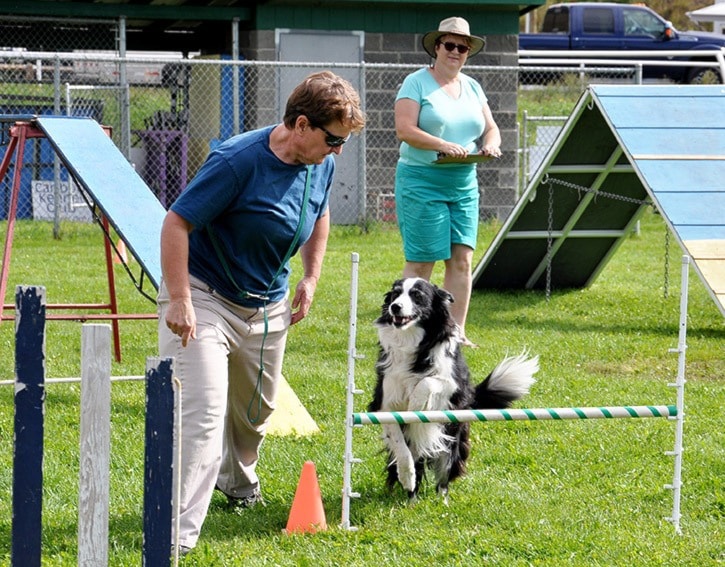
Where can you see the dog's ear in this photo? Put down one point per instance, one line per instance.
(444, 295)
(384, 317)
(387, 297)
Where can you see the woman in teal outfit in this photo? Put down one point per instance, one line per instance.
(439, 110)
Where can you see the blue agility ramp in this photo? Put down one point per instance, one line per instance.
(623, 149)
(111, 187)
(101, 169)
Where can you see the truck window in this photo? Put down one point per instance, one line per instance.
(598, 20)
(556, 20)
(643, 23)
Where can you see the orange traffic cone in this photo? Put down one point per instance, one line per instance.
(307, 513)
(122, 256)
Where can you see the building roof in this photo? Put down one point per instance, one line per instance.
(714, 13)
(193, 25)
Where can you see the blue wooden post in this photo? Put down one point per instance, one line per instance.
(158, 462)
(29, 409)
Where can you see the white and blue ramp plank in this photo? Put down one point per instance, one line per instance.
(106, 175)
(681, 161)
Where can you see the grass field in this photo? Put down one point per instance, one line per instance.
(538, 493)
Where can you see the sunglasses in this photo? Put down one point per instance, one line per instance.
(331, 140)
(450, 46)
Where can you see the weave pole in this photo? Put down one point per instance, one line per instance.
(27, 490)
(535, 414)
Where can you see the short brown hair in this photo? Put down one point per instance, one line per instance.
(323, 98)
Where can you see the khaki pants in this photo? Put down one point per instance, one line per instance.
(224, 413)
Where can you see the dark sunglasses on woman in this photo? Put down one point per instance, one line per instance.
(330, 139)
(450, 46)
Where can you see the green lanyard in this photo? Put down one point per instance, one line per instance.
(243, 294)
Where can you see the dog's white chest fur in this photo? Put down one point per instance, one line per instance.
(404, 390)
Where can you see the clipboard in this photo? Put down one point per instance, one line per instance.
(471, 158)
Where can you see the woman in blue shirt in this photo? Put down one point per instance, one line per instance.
(439, 110)
(224, 307)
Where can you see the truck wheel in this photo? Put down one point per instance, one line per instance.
(704, 76)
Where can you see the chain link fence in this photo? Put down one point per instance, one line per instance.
(166, 112)
(538, 134)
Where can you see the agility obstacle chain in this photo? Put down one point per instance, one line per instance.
(674, 412)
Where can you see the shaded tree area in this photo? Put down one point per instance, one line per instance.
(672, 10)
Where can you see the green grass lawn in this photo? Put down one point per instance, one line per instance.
(537, 493)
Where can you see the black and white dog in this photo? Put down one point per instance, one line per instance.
(420, 367)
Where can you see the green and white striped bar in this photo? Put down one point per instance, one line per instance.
(536, 414)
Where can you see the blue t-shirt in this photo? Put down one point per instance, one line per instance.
(458, 120)
(252, 201)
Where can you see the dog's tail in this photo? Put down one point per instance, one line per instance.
(509, 381)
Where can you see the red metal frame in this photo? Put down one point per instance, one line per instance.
(20, 132)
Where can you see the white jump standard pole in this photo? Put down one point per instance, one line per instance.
(680, 385)
(347, 492)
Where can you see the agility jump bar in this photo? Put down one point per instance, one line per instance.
(535, 414)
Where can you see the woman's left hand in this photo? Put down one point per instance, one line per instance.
(493, 151)
(302, 301)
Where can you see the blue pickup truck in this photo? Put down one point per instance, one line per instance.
(611, 26)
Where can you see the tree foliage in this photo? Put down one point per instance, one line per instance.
(672, 10)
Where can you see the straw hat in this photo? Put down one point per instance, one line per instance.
(457, 26)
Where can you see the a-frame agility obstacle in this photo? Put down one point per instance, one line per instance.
(623, 149)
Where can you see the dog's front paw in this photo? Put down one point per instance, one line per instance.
(406, 474)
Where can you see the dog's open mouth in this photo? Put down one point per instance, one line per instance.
(399, 321)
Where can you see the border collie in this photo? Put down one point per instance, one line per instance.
(420, 367)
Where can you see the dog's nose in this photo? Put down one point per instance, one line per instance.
(394, 308)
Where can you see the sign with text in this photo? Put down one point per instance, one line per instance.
(70, 202)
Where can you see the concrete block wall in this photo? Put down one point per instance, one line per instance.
(498, 179)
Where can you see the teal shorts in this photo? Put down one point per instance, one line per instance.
(436, 207)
